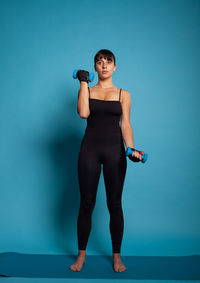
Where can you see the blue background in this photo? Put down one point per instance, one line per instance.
(156, 44)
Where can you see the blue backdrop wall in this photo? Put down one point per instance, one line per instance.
(156, 44)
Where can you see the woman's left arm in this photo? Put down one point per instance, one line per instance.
(127, 131)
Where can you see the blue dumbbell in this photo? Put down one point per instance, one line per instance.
(91, 75)
(129, 151)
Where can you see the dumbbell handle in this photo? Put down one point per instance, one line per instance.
(129, 151)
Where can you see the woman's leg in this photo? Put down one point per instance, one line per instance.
(114, 170)
(89, 170)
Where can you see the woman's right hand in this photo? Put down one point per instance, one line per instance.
(83, 75)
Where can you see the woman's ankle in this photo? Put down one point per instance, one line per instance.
(116, 255)
(82, 253)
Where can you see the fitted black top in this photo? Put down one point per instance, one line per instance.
(103, 122)
(104, 113)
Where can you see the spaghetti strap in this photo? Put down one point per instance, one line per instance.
(120, 94)
(89, 91)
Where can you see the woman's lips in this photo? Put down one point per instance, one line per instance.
(104, 72)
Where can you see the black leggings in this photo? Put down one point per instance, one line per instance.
(112, 156)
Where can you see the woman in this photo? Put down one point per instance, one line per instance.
(103, 105)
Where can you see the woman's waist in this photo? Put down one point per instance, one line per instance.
(103, 130)
(104, 126)
(110, 135)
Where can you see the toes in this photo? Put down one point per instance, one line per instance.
(123, 268)
(120, 268)
(73, 267)
(78, 268)
(116, 268)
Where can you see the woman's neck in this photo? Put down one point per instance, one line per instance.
(103, 84)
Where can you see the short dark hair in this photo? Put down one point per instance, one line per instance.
(104, 52)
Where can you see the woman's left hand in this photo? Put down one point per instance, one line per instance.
(137, 154)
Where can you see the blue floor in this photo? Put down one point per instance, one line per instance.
(151, 268)
(28, 280)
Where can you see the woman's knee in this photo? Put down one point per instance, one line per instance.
(87, 205)
(114, 205)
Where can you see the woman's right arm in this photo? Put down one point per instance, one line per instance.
(83, 100)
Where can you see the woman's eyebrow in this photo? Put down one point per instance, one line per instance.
(104, 58)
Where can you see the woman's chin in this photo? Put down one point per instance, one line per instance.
(104, 76)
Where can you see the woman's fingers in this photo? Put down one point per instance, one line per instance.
(137, 154)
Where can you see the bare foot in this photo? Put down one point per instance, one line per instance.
(118, 265)
(77, 266)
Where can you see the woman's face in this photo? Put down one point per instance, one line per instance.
(105, 66)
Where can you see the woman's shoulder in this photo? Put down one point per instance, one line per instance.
(125, 91)
(125, 96)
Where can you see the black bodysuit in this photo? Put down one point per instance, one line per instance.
(102, 144)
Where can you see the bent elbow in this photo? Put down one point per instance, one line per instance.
(84, 116)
